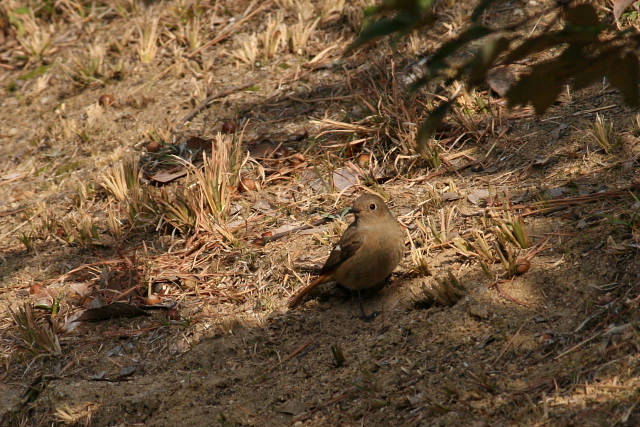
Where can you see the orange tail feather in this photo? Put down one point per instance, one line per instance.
(299, 296)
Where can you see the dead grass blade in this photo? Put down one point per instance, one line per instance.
(36, 338)
(446, 292)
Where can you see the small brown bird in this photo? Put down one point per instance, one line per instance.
(367, 253)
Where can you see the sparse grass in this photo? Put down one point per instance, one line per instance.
(200, 238)
(178, 209)
(431, 154)
(127, 8)
(84, 194)
(27, 240)
(247, 49)
(508, 258)
(300, 33)
(604, 134)
(446, 292)
(122, 180)
(193, 34)
(36, 38)
(420, 261)
(83, 230)
(89, 66)
(482, 248)
(441, 225)
(116, 227)
(303, 8)
(273, 38)
(467, 122)
(204, 204)
(148, 40)
(76, 415)
(512, 229)
(330, 10)
(338, 356)
(36, 337)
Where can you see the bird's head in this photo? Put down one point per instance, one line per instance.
(370, 206)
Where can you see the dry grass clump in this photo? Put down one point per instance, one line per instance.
(34, 336)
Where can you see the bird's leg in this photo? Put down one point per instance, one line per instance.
(363, 315)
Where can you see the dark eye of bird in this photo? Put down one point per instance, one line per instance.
(372, 206)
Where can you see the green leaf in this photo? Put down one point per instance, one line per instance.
(17, 22)
(429, 126)
(37, 72)
(541, 86)
(484, 60)
(413, 6)
(624, 76)
(22, 10)
(546, 41)
(409, 15)
(473, 33)
(380, 28)
(438, 61)
(592, 68)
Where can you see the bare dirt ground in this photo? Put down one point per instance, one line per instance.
(556, 345)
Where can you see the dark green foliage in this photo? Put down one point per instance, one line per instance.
(406, 16)
(582, 51)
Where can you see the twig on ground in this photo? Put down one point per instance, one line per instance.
(204, 104)
(297, 351)
(229, 29)
(315, 223)
(501, 291)
(507, 346)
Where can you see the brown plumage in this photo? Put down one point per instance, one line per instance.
(367, 252)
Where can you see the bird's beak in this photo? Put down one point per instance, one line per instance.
(353, 210)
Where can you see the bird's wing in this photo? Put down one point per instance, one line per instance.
(348, 245)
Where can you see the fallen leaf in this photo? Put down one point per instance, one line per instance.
(500, 80)
(111, 311)
(619, 6)
(197, 143)
(286, 227)
(168, 175)
(263, 150)
(314, 230)
(540, 161)
(126, 371)
(345, 178)
(293, 407)
(477, 196)
(554, 193)
(450, 196)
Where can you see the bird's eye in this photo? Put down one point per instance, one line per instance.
(372, 206)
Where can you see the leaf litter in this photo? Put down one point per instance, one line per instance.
(471, 359)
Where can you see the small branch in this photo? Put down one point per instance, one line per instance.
(297, 351)
(509, 297)
(507, 346)
(229, 29)
(577, 346)
(315, 223)
(204, 104)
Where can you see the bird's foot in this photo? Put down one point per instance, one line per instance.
(368, 317)
(363, 314)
